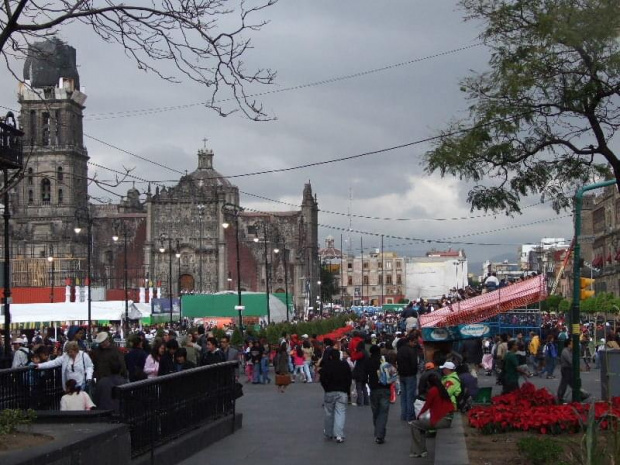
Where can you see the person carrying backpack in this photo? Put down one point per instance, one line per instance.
(451, 381)
(379, 393)
(551, 354)
(22, 355)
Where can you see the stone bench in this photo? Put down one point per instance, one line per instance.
(450, 446)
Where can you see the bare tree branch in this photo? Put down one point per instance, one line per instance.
(200, 38)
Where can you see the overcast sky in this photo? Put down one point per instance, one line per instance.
(306, 42)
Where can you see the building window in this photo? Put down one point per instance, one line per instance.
(57, 127)
(349, 266)
(60, 174)
(388, 265)
(399, 279)
(60, 196)
(46, 191)
(46, 129)
(388, 279)
(598, 220)
(380, 279)
(379, 264)
(30, 176)
(30, 197)
(398, 265)
(365, 280)
(33, 126)
(350, 281)
(365, 265)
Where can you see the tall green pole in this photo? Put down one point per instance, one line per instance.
(574, 317)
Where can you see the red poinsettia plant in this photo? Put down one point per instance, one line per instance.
(531, 409)
(336, 334)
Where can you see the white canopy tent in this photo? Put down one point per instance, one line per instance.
(76, 311)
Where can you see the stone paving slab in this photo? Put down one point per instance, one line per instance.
(280, 429)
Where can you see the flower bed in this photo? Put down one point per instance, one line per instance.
(534, 410)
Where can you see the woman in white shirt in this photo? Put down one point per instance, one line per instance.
(151, 366)
(76, 365)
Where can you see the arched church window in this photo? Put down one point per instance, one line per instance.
(60, 174)
(46, 191)
(30, 197)
(60, 196)
(30, 176)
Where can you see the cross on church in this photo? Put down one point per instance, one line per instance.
(205, 142)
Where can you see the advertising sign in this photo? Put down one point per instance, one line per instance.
(455, 333)
(161, 306)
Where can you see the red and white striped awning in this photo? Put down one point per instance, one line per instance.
(485, 306)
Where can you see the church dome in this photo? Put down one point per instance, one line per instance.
(206, 175)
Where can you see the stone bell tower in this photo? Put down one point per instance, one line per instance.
(55, 184)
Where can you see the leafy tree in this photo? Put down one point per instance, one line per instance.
(542, 118)
(328, 284)
(205, 40)
(551, 304)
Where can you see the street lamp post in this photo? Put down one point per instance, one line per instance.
(50, 258)
(234, 211)
(83, 215)
(320, 299)
(163, 238)
(285, 276)
(201, 209)
(11, 157)
(178, 256)
(123, 229)
(266, 272)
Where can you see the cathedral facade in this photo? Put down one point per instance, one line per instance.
(169, 237)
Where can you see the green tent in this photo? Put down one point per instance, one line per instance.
(223, 305)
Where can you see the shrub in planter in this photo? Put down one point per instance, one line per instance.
(540, 451)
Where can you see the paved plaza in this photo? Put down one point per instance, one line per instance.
(281, 429)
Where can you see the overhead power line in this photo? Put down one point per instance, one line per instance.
(156, 110)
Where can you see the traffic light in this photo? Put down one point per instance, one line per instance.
(586, 283)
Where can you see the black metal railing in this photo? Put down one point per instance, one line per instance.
(160, 409)
(25, 388)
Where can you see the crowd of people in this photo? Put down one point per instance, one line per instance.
(371, 367)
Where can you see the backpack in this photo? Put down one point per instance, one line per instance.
(28, 355)
(464, 401)
(387, 374)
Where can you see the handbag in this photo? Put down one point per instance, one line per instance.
(283, 380)
(417, 406)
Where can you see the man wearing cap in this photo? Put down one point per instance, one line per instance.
(407, 363)
(451, 381)
(21, 353)
(104, 354)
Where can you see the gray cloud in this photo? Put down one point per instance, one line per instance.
(307, 42)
